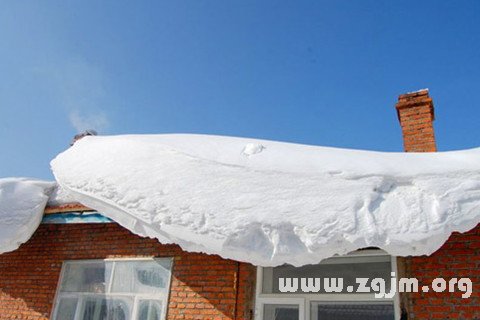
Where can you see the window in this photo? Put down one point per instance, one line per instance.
(273, 304)
(113, 290)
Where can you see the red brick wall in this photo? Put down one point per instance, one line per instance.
(459, 257)
(203, 286)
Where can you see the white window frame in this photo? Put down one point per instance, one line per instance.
(304, 299)
(163, 297)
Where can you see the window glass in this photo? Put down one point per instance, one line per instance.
(333, 303)
(149, 310)
(346, 268)
(280, 312)
(94, 309)
(141, 276)
(66, 308)
(86, 277)
(102, 308)
(112, 290)
(352, 311)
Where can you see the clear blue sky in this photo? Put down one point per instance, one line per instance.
(315, 72)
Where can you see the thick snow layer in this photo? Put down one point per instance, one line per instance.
(22, 202)
(271, 203)
(60, 197)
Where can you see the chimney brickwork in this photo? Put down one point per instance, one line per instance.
(455, 258)
(416, 114)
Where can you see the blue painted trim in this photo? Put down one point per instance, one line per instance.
(75, 217)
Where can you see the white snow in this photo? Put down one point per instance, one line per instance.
(22, 202)
(419, 90)
(252, 148)
(270, 203)
(60, 196)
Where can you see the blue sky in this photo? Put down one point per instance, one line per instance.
(315, 72)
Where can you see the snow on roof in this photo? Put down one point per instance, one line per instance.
(60, 197)
(270, 203)
(22, 201)
(417, 91)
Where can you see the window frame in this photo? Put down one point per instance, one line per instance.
(304, 299)
(163, 298)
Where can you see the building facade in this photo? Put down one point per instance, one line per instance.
(80, 266)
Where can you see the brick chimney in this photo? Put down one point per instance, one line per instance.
(78, 136)
(416, 114)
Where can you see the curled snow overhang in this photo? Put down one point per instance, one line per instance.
(22, 202)
(61, 201)
(270, 203)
